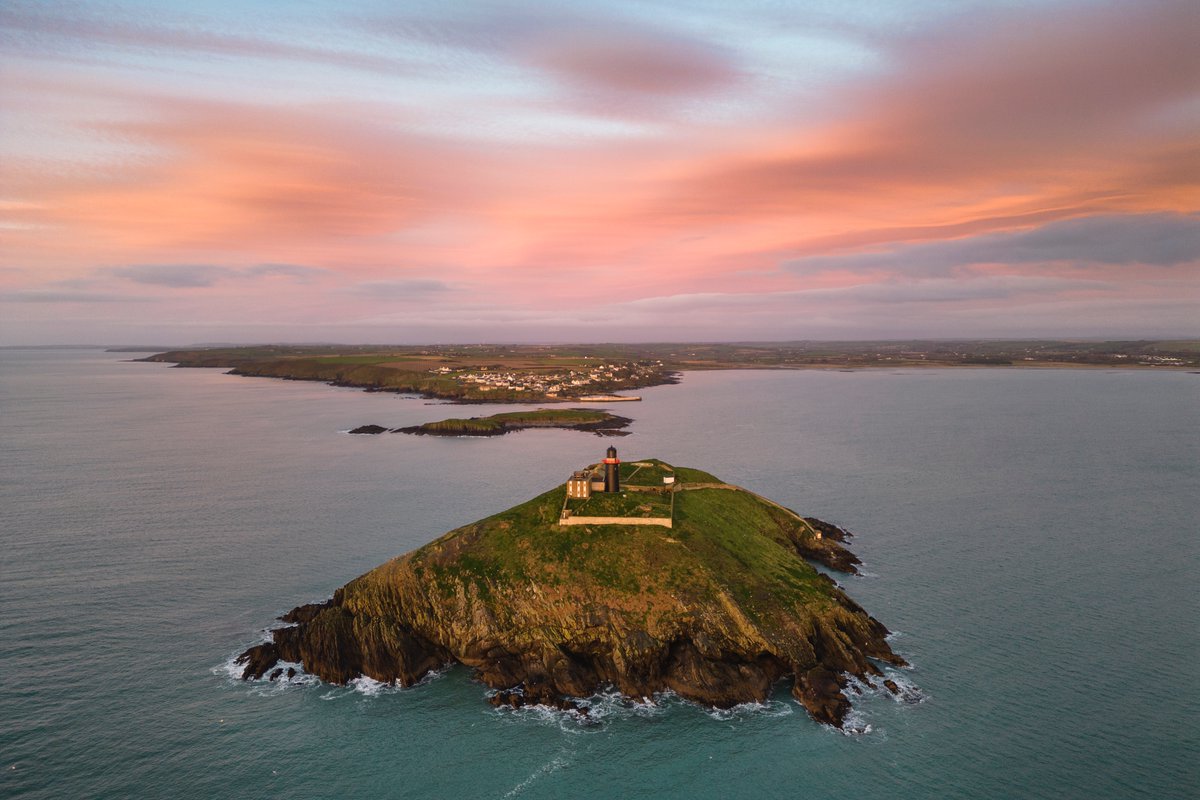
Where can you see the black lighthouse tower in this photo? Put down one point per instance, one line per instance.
(612, 471)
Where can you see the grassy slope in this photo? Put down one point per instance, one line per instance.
(626, 504)
(724, 543)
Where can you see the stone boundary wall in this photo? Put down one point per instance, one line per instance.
(665, 522)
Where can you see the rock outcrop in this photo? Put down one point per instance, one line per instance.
(717, 610)
(370, 429)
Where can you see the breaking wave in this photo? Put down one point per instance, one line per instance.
(770, 708)
(232, 671)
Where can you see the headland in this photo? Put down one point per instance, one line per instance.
(578, 373)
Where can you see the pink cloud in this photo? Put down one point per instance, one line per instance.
(229, 176)
(630, 61)
(996, 114)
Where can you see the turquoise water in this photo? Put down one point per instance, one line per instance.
(1030, 535)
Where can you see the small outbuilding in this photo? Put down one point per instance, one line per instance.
(579, 485)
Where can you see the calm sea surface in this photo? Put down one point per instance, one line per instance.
(1031, 536)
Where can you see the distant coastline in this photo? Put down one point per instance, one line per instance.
(547, 374)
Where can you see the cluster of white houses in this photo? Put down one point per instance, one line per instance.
(553, 384)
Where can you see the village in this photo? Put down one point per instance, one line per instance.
(570, 383)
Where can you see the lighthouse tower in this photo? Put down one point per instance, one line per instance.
(612, 471)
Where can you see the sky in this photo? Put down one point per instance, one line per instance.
(667, 170)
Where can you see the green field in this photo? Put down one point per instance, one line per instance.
(652, 474)
(624, 504)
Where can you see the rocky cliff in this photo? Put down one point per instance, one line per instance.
(717, 609)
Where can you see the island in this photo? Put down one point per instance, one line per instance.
(639, 576)
(601, 423)
(494, 373)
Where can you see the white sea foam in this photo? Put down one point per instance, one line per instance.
(434, 674)
(594, 710)
(908, 692)
(553, 765)
(232, 671)
(770, 708)
(611, 703)
(855, 724)
(369, 687)
(229, 668)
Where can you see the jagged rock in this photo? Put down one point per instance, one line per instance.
(372, 429)
(258, 660)
(520, 696)
(305, 612)
(826, 547)
(828, 530)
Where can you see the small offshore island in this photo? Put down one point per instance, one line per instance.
(601, 423)
(640, 576)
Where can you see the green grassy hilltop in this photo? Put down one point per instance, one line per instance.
(724, 542)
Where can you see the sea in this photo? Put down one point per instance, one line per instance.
(1029, 535)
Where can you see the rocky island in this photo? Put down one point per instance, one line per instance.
(601, 423)
(715, 600)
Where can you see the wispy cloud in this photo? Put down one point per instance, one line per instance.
(589, 50)
(41, 29)
(1136, 239)
(890, 292)
(405, 289)
(298, 272)
(60, 296)
(630, 60)
(195, 276)
(175, 276)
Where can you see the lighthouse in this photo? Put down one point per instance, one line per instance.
(612, 471)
